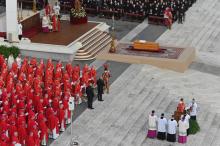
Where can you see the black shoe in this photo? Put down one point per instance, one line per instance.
(101, 100)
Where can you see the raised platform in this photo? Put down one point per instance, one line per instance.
(173, 58)
(64, 45)
(68, 34)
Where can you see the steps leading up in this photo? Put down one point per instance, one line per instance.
(92, 43)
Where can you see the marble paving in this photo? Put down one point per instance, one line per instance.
(121, 120)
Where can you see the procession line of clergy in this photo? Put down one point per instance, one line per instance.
(34, 99)
(167, 129)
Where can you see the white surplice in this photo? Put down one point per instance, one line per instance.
(183, 128)
(172, 125)
(152, 122)
(162, 123)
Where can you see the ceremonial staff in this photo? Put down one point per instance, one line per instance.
(112, 47)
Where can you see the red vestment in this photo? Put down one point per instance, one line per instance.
(3, 143)
(36, 137)
(22, 133)
(44, 130)
(69, 69)
(56, 23)
(78, 90)
(45, 102)
(30, 69)
(75, 77)
(55, 104)
(66, 107)
(53, 122)
(31, 125)
(12, 129)
(2, 83)
(3, 126)
(181, 107)
(49, 111)
(61, 115)
(85, 79)
(168, 17)
(85, 69)
(33, 62)
(30, 141)
(92, 75)
(14, 139)
(58, 73)
(14, 67)
(4, 140)
(47, 9)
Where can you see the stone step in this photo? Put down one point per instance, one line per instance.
(89, 35)
(94, 53)
(91, 38)
(93, 45)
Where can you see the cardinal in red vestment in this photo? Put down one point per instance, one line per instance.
(53, 125)
(30, 139)
(43, 132)
(61, 116)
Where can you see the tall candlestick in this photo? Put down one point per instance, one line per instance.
(18, 9)
(21, 11)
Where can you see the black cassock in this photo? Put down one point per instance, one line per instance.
(90, 95)
(100, 86)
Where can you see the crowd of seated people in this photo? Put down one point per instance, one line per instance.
(34, 98)
(137, 9)
(2, 2)
(178, 8)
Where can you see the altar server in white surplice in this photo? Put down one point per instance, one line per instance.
(152, 125)
(183, 126)
(162, 127)
(171, 130)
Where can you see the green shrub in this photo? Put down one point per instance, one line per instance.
(6, 51)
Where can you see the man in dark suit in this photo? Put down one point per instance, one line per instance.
(100, 86)
(90, 95)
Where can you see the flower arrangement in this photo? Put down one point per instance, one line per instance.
(79, 14)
